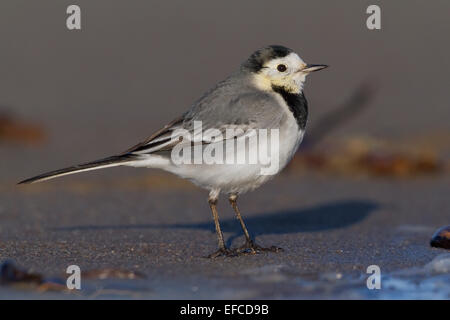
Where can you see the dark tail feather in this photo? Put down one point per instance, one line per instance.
(94, 165)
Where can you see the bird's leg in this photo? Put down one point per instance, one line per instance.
(233, 202)
(223, 250)
(250, 246)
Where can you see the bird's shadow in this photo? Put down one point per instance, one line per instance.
(333, 215)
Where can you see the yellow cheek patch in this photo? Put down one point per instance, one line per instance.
(264, 82)
(288, 84)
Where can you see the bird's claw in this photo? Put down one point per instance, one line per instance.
(250, 247)
(222, 252)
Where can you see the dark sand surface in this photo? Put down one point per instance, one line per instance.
(137, 65)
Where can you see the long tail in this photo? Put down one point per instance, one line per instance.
(94, 165)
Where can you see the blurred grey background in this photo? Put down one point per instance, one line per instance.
(136, 65)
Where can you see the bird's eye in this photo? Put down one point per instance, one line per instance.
(281, 68)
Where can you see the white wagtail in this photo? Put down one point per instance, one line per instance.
(266, 92)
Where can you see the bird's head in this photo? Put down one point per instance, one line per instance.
(279, 66)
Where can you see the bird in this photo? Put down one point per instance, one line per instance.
(264, 93)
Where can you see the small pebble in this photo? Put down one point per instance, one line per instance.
(10, 273)
(441, 238)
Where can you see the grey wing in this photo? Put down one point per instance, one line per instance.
(248, 110)
(159, 140)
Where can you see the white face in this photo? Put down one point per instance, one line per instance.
(286, 72)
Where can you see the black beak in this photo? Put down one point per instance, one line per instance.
(314, 67)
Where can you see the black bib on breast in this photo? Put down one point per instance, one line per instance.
(297, 104)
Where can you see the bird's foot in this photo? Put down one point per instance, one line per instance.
(222, 252)
(250, 247)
